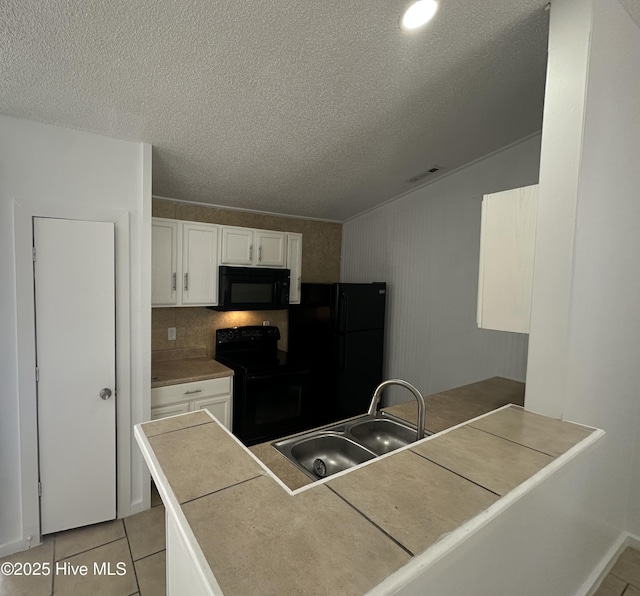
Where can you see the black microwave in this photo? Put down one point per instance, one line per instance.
(252, 288)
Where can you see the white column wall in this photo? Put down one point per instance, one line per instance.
(426, 246)
(570, 28)
(603, 386)
(585, 328)
(51, 171)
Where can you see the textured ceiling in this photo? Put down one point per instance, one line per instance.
(319, 109)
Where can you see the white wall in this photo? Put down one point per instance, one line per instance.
(603, 374)
(426, 245)
(55, 172)
(585, 326)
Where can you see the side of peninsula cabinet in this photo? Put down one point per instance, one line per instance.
(183, 575)
(507, 242)
(184, 257)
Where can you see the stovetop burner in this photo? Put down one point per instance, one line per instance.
(251, 348)
(255, 335)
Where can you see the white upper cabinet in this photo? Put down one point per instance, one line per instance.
(271, 248)
(249, 247)
(184, 258)
(236, 246)
(199, 263)
(507, 242)
(164, 262)
(294, 264)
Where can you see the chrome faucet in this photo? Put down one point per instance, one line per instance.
(421, 407)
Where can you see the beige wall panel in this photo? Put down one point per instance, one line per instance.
(164, 209)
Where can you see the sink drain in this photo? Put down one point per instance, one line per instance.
(319, 468)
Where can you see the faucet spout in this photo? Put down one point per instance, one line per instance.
(373, 407)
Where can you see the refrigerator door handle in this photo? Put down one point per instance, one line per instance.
(343, 312)
(342, 353)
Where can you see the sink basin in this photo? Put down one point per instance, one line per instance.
(382, 435)
(327, 453)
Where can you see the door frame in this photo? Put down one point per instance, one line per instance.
(132, 490)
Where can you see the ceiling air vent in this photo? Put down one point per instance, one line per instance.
(429, 172)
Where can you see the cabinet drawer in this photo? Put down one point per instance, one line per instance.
(161, 396)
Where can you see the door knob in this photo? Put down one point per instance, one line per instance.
(105, 393)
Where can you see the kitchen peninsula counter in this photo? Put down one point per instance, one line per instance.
(443, 410)
(233, 527)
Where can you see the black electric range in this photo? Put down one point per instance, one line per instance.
(271, 396)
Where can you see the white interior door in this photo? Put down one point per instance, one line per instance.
(75, 322)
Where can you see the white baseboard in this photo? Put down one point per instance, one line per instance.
(16, 547)
(607, 562)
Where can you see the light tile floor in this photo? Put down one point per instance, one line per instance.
(624, 577)
(137, 541)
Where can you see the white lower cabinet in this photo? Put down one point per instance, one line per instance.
(219, 406)
(213, 394)
(172, 410)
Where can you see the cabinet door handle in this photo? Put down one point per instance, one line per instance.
(175, 282)
(259, 253)
(194, 391)
(186, 282)
(251, 253)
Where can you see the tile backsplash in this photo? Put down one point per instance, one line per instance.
(196, 329)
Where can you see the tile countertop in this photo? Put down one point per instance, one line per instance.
(351, 531)
(172, 372)
(444, 410)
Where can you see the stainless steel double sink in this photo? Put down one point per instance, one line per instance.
(326, 451)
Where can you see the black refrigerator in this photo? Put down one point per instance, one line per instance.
(338, 331)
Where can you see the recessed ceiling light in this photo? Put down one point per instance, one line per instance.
(419, 13)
